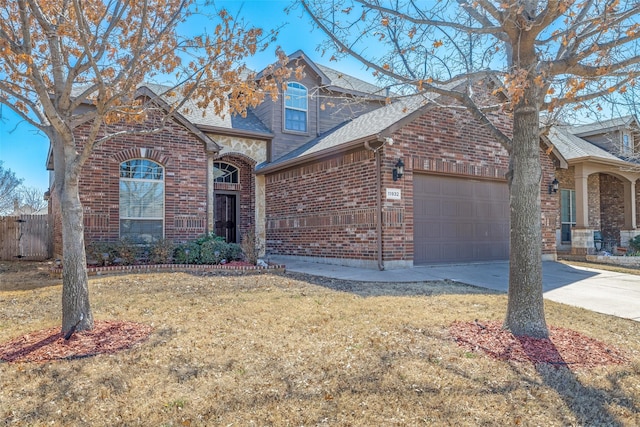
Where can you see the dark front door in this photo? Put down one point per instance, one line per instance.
(226, 216)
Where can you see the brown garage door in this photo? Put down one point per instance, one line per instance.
(460, 220)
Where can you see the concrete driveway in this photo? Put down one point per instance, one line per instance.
(607, 292)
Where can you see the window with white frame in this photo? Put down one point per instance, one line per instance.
(141, 200)
(295, 108)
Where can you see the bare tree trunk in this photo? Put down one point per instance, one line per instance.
(75, 282)
(76, 309)
(525, 310)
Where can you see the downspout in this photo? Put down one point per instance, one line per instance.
(376, 152)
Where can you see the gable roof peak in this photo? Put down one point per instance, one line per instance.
(604, 126)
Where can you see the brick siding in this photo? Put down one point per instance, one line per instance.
(324, 209)
(184, 159)
(611, 206)
(328, 208)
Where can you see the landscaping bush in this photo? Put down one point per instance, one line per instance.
(187, 253)
(634, 246)
(101, 253)
(213, 251)
(129, 251)
(234, 252)
(251, 248)
(207, 249)
(161, 252)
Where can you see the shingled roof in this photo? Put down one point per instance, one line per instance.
(376, 123)
(572, 147)
(571, 142)
(207, 117)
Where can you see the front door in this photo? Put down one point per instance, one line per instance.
(226, 217)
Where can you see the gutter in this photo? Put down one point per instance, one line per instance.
(599, 160)
(235, 132)
(376, 152)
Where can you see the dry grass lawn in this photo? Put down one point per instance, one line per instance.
(278, 350)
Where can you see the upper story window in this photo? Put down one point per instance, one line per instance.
(141, 200)
(627, 143)
(224, 172)
(295, 108)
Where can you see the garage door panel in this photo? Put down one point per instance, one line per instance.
(424, 232)
(464, 230)
(460, 220)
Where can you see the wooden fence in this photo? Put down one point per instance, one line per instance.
(25, 237)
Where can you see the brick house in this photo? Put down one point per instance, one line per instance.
(597, 191)
(328, 172)
(337, 199)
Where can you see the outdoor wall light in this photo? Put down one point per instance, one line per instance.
(553, 187)
(398, 170)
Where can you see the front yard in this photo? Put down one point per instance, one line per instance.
(284, 349)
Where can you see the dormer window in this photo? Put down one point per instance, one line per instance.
(627, 144)
(295, 108)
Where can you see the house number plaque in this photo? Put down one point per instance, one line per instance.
(394, 194)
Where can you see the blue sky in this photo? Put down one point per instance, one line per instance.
(24, 151)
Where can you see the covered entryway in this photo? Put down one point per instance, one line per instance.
(460, 219)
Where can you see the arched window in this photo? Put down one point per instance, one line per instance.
(224, 172)
(295, 108)
(141, 200)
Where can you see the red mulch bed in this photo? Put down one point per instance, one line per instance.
(105, 338)
(564, 347)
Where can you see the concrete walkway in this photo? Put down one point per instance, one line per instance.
(617, 294)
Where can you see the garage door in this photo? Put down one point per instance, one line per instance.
(460, 220)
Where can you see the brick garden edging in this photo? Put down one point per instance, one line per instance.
(171, 268)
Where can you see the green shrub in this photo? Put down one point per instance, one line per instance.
(213, 251)
(181, 256)
(634, 244)
(234, 252)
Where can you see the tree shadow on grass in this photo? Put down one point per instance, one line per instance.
(377, 289)
(589, 405)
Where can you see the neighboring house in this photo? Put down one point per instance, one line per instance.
(597, 189)
(328, 172)
(27, 210)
